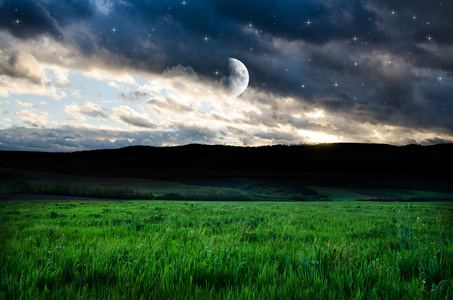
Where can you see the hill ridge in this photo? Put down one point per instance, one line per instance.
(296, 162)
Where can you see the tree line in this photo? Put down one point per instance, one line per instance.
(109, 192)
(97, 191)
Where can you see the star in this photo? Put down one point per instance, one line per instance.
(113, 29)
(16, 22)
(355, 38)
(308, 22)
(336, 84)
(429, 38)
(440, 78)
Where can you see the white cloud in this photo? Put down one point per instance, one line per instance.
(18, 64)
(32, 118)
(18, 86)
(115, 85)
(126, 115)
(103, 6)
(109, 75)
(77, 118)
(26, 104)
(21, 73)
(88, 109)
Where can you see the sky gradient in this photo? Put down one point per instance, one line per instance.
(89, 74)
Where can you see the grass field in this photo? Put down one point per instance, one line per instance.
(28, 182)
(225, 250)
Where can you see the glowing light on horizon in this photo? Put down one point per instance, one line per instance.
(318, 137)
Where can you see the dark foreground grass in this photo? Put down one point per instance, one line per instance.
(225, 250)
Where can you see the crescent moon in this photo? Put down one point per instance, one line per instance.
(238, 79)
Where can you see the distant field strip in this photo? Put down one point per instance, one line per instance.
(340, 194)
(403, 193)
(346, 194)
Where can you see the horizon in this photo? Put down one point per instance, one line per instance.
(106, 75)
(235, 146)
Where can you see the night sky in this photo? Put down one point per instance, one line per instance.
(89, 74)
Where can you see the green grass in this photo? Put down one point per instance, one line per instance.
(225, 250)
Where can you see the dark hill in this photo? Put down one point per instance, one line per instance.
(306, 162)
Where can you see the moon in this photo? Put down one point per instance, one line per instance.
(238, 78)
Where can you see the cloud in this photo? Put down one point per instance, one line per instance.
(26, 104)
(130, 117)
(133, 95)
(20, 65)
(88, 109)
(27, 19)
(193, 134)
(168, 105)
(178, 71)
(32, 118)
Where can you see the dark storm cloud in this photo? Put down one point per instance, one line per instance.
(69, 11)
(436, 19)
(27, 19)
(312, 21)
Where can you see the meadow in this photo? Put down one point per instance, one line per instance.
(225, 250)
